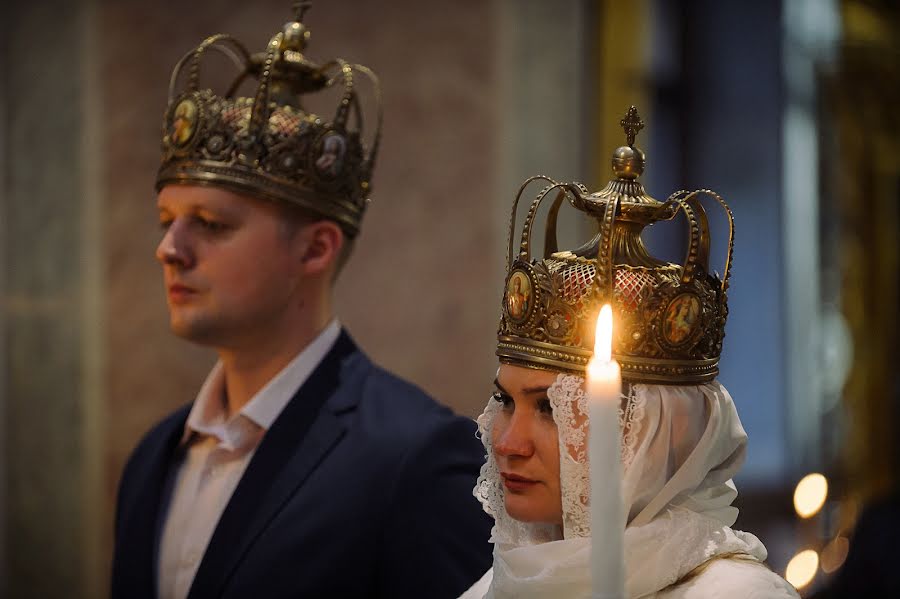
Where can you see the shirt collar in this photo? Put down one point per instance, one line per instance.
(207, 416)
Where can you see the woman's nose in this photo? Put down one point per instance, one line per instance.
(515, 438)
(174, 248)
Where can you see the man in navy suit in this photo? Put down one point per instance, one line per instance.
(301, 469)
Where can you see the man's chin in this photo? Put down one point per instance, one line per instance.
(197, 331)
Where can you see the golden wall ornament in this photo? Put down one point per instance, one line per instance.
(669, 318)
(269, 145)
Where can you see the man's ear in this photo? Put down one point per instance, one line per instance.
(322, 248)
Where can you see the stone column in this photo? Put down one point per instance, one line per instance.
(51, 442)
(4, 92)
(544, 108)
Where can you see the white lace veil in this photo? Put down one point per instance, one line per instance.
(681, 445)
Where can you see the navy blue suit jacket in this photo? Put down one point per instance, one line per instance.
(361, 488)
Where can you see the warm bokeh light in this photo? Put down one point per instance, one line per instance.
(848, 513)
(834, 554)
(810, 495)
(603, 337)
(802, 568)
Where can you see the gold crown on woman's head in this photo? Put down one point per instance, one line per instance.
(669, 319)
(269, 145)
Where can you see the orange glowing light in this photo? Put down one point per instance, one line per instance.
(834, 554)
(802, 568)
(810, 495)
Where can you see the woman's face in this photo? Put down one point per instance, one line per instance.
(526, 445)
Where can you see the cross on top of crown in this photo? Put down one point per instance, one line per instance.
(300, 9)
(632, 123)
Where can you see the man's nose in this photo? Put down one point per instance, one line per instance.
(175, 247)
(516, 438)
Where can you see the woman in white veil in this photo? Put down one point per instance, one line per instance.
(682, 440)
(680, 448)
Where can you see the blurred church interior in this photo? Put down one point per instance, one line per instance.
(788, 108)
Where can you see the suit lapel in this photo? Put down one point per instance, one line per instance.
(138, 541)
(302, 435)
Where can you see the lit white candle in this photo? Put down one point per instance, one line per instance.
(604, 387)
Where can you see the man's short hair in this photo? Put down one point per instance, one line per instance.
(296, 217)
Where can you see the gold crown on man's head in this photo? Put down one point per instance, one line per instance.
(669, 319)
(269, 145)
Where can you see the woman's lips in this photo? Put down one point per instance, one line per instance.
(514, 482)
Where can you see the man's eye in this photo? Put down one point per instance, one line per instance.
(544, 406)
(165, 224)
(211, 225)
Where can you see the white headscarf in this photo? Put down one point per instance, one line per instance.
(681, 445)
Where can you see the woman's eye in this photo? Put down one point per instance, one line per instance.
(165, 224)
(544, 406)
(503, 398)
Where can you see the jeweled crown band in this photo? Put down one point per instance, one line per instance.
(524, 352)
(345, 213)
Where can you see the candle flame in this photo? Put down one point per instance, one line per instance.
(603, 336)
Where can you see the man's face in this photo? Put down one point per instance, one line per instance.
(229, 265)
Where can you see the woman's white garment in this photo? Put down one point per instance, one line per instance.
(681, 445)
(728, 579)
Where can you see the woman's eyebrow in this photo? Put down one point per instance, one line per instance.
(534, 390)
(526, 390)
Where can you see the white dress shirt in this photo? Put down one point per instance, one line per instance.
(218, 452)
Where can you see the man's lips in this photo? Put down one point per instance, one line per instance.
(515, 482)
(179, 293)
